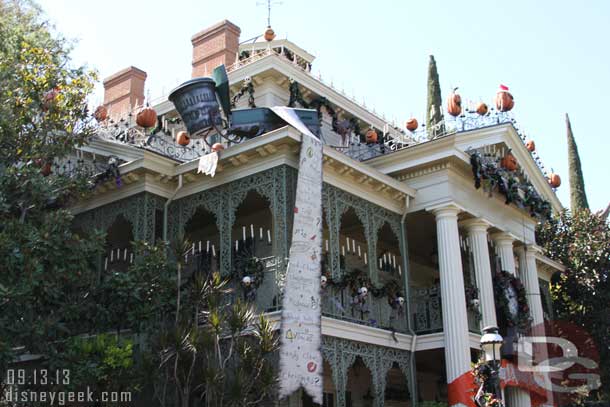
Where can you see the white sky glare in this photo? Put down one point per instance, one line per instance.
(552, 54)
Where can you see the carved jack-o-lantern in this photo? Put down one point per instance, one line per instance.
(530, 145)
(482, 109)
(504, 100)
(146, 117)
(371, 136)
(412, 124)
(509, 162)
(101, 113)
(183, 138)
(454, 104)
(217, 147)
(554, 180)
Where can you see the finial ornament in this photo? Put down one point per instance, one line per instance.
(269, 3)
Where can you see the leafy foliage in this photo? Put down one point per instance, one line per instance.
(213, 347)
(581, 242)
(47, 269)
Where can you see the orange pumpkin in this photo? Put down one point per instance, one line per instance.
(183, 138)
(101, 113)
(217, 147)
(371, 136)
(482, 109)
(412, 124)
(269, 34)
(454, 104)
(554, 180)
(504, 100)
(530, 145)
(509, 162)
(146, 117)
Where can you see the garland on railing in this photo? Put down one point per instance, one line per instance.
(505, 285)
(248, 86)
(358, 282)
(341, 127)
(112, 172)
(512, 184)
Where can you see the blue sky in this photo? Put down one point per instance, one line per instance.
(552, 54)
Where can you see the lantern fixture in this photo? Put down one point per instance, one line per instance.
(491, 342)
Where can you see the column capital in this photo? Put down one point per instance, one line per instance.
(529, 250)
(475, 224)
(449, 210)
(502, 239)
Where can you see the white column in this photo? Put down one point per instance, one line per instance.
(515, 397)
(477, 234)
(504, 246)
(528, 273)
(453, 298)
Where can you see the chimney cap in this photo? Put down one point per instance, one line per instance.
(123, 74)
(216, 28)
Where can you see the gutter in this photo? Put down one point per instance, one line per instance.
(166, 206)
(405, 266)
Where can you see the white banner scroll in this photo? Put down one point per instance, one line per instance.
(208, 164)
(301, 335)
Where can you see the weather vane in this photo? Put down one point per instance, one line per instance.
(269, 3)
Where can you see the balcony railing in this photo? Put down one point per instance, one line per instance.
(375, 312)
(427, 312)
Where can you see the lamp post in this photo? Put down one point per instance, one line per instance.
(491, 342)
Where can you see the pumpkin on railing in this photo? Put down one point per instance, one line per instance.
(100, 113)
(504, 100)
(509, 162)
(371, 136)
(482, 108)
(183, 138)
(146, 117)
(412, 124)
(454, 104)
(554, 180)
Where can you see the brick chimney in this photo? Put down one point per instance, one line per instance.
(123, 90)
(215, 46)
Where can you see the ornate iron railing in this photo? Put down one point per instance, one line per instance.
(375, 312)
(158, 140)
(426, 308)
(427, 312)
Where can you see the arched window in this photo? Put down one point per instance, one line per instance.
(119, 249)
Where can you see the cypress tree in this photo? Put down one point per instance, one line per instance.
(434, 113)
(578, 196)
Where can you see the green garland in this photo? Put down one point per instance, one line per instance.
(356, 278)
(341, 127)
(502, 281)
(512, 184)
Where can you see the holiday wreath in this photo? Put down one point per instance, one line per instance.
(511, 301)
